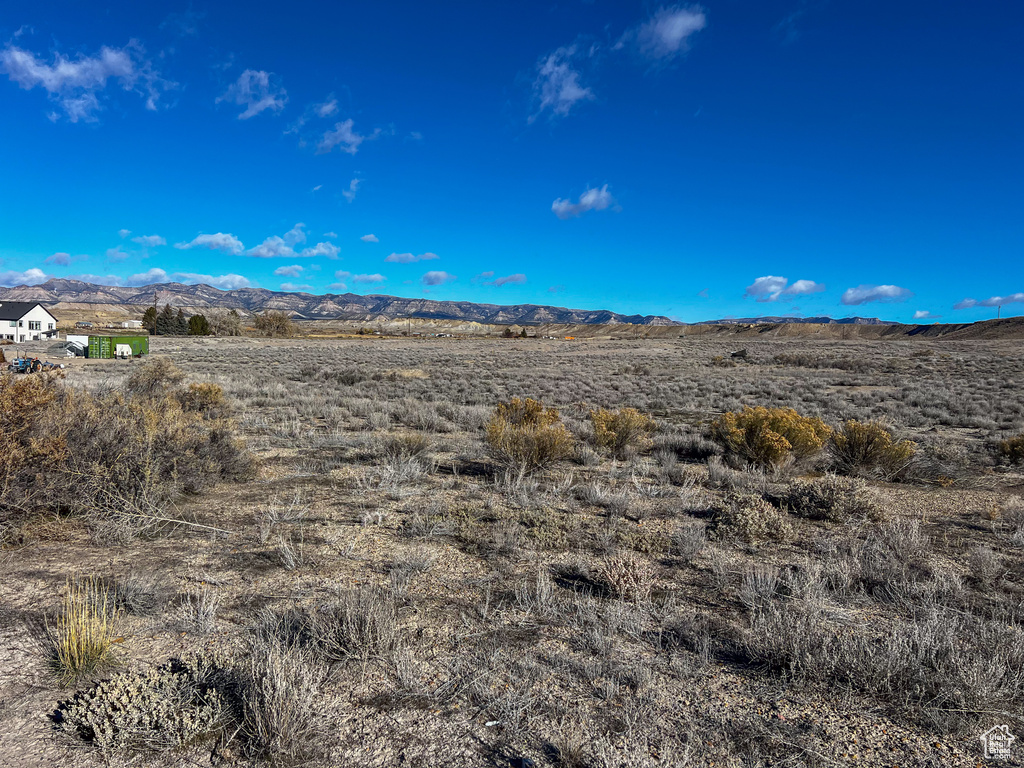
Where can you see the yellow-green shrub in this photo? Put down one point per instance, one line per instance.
(868, 447)
(1012, 449)
(623, 430)
(767, 436)
(524, 435)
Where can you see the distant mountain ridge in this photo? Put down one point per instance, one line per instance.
(308, 306)
(780, 320)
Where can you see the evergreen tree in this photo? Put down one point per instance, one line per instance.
(149, 320)
(198, 326)
(165, 323)
(181, 323)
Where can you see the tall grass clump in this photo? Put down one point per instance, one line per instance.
(767, 437)
(622, 432)
(1012, 449)
(82, 639)
(523, 435)
(869, 448)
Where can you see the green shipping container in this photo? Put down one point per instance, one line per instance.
(105, 346)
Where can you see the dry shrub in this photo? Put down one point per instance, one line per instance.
(769, 436)
(112, 456)
(82, 640)
(274, 323)
(524, 435)
(622, 432)
(868, 447)
(750, 518)
(831, 498)
(171, 707)
(626, 576)
(1012, 449)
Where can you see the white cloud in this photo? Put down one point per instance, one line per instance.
(60, 259)
(272, 247)
(229, 282)
(337, 287)
(557, 86)
(375, 278)
(116, 254)
(516, 279)
(124, 233)
(221, 241)
(330, 250)
(149, 277)
(369, 239)
(294, 287)
(667, 33)
(76, 85)
(592, 199)
(994, 301)
(863, 294)
(150, 241)
(32, 276)
(330, 234)
(924, 314)
(293, 271)
(409, 258)
(773, 288)
(350, 193)
(437, 277)
(255, 91)
(296, 234)
(318, 187)
(327, 108)
(344, 137)
(98, 279)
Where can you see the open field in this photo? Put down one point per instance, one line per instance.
(407, 599)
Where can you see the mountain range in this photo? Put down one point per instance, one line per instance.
(308, 306)
(354, 307)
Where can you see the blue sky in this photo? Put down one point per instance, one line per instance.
(723, 159)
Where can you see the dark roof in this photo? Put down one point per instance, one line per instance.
(15, 310)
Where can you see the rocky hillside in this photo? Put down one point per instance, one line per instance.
(308, 306)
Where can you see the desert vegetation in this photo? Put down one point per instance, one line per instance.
(515, 552)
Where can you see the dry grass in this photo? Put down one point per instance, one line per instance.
(82, 639)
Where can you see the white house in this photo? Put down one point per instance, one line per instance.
(26, 321)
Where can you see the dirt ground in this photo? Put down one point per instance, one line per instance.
(515, 642)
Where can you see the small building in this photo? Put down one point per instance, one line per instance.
(109, 347)
(83, 324)
(26, 321)
(131, 324)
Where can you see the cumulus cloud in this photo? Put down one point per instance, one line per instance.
(124, 233)
(667, 33)
(229, 282)
(337, 287)
(149, 277)
(369, 239)
(592, 199)
(994, 301)
(330, 234)
(773, 288)
(864, 294)
(343, 137)
(330, 250)
(283, 246)
(149, 241)
(293, 271)
(374, 278)
(437, 277)
(60, 259)
(76, 85)
(220, 241)
(255, 91)
(409, 258)
(557, 86)
(294, 287)
(350, 193)
(924, 314)
(32, 276)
